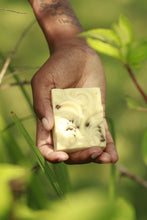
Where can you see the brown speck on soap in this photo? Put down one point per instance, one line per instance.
(69, 128)
(58, 106)
(87, 124)
(102, 138)
(99, 129)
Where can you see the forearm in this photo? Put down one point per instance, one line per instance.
(57, 19)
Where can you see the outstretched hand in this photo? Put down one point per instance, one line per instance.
(72, 65)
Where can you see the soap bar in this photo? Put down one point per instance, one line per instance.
(78, 117)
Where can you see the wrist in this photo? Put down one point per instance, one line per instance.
(57, 20)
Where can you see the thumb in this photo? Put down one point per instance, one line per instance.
(42, 103)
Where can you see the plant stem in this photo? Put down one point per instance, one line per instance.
(112, 185)
(136, 83)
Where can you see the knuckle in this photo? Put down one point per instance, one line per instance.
(115, 159)
(37, 111)
(33, 80)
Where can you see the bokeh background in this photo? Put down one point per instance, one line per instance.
(129, 124)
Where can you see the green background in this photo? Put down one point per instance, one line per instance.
(129, 124)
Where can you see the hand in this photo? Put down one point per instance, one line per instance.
(72, 65)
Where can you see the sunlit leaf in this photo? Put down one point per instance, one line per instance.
(124, 30)
(9, 172)
(104, 48)
(105, 35)
(5, 200)
(144, 147)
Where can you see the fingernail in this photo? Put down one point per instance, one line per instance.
(62, 158)
(94, 156)
(45, 123)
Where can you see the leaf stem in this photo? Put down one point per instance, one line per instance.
(136, 82)
(112, 185)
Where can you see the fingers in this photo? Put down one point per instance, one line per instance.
(84, 156)
(45, 145)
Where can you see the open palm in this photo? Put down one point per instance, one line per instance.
(73, 65)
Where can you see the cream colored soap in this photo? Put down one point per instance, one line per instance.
(78, 115)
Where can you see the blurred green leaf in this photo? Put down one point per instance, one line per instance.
(5, 200)
(124, 30)
(132, 103)
(24, 92)
(62, 176)
(39, 158)
(9, 172)
(104, 48)
(105, 35)
(124, 210)
(84, 205)
(12, 153)
(37, 196)
(139, 54)
(112, 184)
(144, 147)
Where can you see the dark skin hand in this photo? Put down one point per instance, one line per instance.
(72, 64)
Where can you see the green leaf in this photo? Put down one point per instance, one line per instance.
(104, 48)
(39, 158)
(124, 210)
(112, 184)
(132, 103)
(139, 54)
(124, 30)
(12, 153)
(6, 200)
(62, 176)
(88, 205)
(144, 147)
(9, 172)
(105, 35)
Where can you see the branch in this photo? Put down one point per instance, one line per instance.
(125, 172)
(135, 82)
(142, 109)
(12, 124)
(13, 52)
(6, 86)
(18, 12)
(20, 71)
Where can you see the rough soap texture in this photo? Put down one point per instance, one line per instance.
(78, 115)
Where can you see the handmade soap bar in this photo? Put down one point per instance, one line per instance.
(78, 116)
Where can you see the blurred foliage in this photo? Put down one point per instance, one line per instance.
(30, 195)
